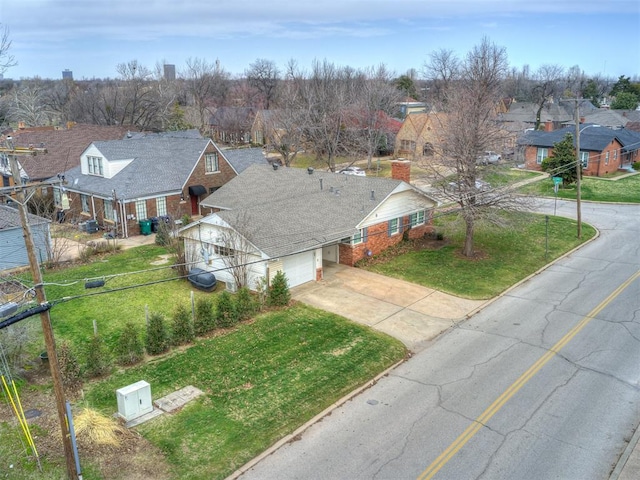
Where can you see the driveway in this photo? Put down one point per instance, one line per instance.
(411, 313)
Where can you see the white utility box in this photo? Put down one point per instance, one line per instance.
(134, 400)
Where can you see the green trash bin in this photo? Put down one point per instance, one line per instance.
(145, 227)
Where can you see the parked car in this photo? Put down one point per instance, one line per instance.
(353, 171)
(481, 186)
(488, 157)
(202, 279)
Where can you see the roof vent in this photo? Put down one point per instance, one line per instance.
(309, 170)
(321, 184)
(275, 166)
(373, 194)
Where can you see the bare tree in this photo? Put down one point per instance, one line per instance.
(377, 98)
(547, 85)
(140, 102)
(441, 70)
(207, 84)
(467, 128)
(264, 76)
(28, 103)
(236, 250)
(7, 60)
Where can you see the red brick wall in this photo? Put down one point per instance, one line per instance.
(378, 240)
(209, 180)
(597, 160)
(401, 170)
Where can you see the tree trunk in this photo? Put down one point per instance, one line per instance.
(467, 249)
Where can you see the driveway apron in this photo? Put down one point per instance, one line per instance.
(413, 314)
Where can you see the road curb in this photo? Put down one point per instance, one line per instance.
(300, 430)
(622, 461)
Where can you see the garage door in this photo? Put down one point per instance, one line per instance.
(299, 268)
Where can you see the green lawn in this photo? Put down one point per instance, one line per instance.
(507, 255)
(625, 190)
(73, 319)
(261, 382)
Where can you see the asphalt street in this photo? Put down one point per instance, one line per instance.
(542, 383)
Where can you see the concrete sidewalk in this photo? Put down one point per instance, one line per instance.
(411, 313)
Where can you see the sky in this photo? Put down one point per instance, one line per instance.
(91, 37)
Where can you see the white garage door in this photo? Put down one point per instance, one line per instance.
(299, 268)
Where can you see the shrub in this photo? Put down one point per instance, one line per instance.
(636, 166)
(164, 234)
(98, 362)
(157, 340)
(245, 304)
(226, 315)
(69, 367)
(205, 320)
(182, 327)
(279, 295)
(262, 290)
(129, 349)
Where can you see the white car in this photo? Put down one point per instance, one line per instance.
(488, 157)
(353, 171)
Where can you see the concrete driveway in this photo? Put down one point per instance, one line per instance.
(411, 313)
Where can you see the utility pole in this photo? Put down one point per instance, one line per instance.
(47, 330)
(578, 171)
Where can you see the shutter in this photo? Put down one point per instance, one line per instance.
(365, 234)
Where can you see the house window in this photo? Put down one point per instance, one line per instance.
(223, 251)
(408, 145)
(615, 155)
(359, 237)
(95, 166)
(84, 201)
(542, 154)
(141, 209)
(416, 218)
(108, 210)
(161, 206)
(394, 226)
(584, 158)
(211, 162)
(606, 158)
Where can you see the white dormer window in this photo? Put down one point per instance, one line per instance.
(95, 166)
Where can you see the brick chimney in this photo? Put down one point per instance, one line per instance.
(548, 126)
(401, 170)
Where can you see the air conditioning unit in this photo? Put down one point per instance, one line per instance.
(134, 400)
(231, 286)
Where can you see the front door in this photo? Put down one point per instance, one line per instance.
(194, 205)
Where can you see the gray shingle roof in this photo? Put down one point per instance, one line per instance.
(287, 210)
(160, 164)
(10, 218)
(241, 158)
(591, 139)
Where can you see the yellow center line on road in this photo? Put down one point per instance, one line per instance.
(482, 420)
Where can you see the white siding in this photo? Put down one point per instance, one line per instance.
(398, 205)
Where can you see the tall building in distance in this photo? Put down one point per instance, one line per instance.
(169, 72)
(67, 74)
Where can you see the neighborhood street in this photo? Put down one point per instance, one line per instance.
(544, 382)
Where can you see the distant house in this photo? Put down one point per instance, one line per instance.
(121, 182)
(410, 105)
(296, 220)
(602, 150)
(418, 135)
(13, 251)
(232, 125)
(64, 147)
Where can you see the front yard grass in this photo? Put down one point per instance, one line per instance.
(506, 255)
(261, 382)
(624, 190)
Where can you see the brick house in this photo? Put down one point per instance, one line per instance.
(64, 146)
(296, 220)
(121, 182)
(602, 150)
(418, 135)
